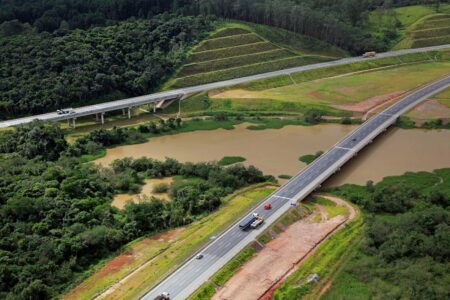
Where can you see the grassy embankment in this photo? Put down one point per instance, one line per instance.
(221, 277)
(406, 25)
(152, 258)
(240, 49)
(422, 26)
(279, 96)
(326, 259)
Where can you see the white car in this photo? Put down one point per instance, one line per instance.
(65, 111)
(199, 256)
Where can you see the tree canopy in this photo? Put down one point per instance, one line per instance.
(56, 218)
(43, 72)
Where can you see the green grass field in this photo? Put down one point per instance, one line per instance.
(241, 49)
(423, 26)
(350, 89)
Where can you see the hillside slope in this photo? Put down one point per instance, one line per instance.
(429, 31)
(237, 49)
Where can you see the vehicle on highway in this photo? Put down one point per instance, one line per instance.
(65, 111)
(369, 54)
(257, 222)
(199, 256)
(252, 221)
(267, 206)
(163, 296)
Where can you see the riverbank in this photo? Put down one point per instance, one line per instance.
(427, 149)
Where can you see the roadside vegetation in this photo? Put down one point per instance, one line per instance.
(66, 220)
(221, 277)
(160, 255)
(403, 241)
(207, 290)
(339, 91)
(323, 261)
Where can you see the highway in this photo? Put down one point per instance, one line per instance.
(186, 279)
(178, 93)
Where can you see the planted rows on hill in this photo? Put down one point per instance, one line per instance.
(223, 56)
(229, 41)
(234, 61)
(246, 70)
(432, 31)
(230, 52)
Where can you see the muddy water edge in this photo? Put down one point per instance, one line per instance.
(276, 151)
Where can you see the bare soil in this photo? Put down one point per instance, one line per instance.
(366, 105)
(430, 109)
(258, 278)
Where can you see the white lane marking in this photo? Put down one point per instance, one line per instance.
(283, 197)
(345, 148)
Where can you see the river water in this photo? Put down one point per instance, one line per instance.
(276, 151)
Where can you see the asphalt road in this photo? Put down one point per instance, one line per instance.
(193, 273)
(152, 98)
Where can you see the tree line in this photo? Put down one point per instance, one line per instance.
(56, 218)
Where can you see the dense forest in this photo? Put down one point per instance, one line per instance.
(55, 214)
(406, 248)
(53, 70)
(336, 22)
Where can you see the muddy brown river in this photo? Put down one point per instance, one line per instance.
(276, 151)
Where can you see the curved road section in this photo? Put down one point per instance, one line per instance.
(174, 94)
(194, 272)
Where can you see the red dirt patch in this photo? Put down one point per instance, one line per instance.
(266, 187)
(431, 109)
(279, 256)
(370, 103)
(117, 263)
(315, 94)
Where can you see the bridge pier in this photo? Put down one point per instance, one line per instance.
(154, 107)
(129, 112)
(74, 122)
(102, 117)
(96, 118)
(123, 111)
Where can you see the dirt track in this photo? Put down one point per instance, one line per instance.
(282, 254)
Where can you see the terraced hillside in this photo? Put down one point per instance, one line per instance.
(234, 52)
(429, 31)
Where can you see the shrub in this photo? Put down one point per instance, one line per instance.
(161, 188)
